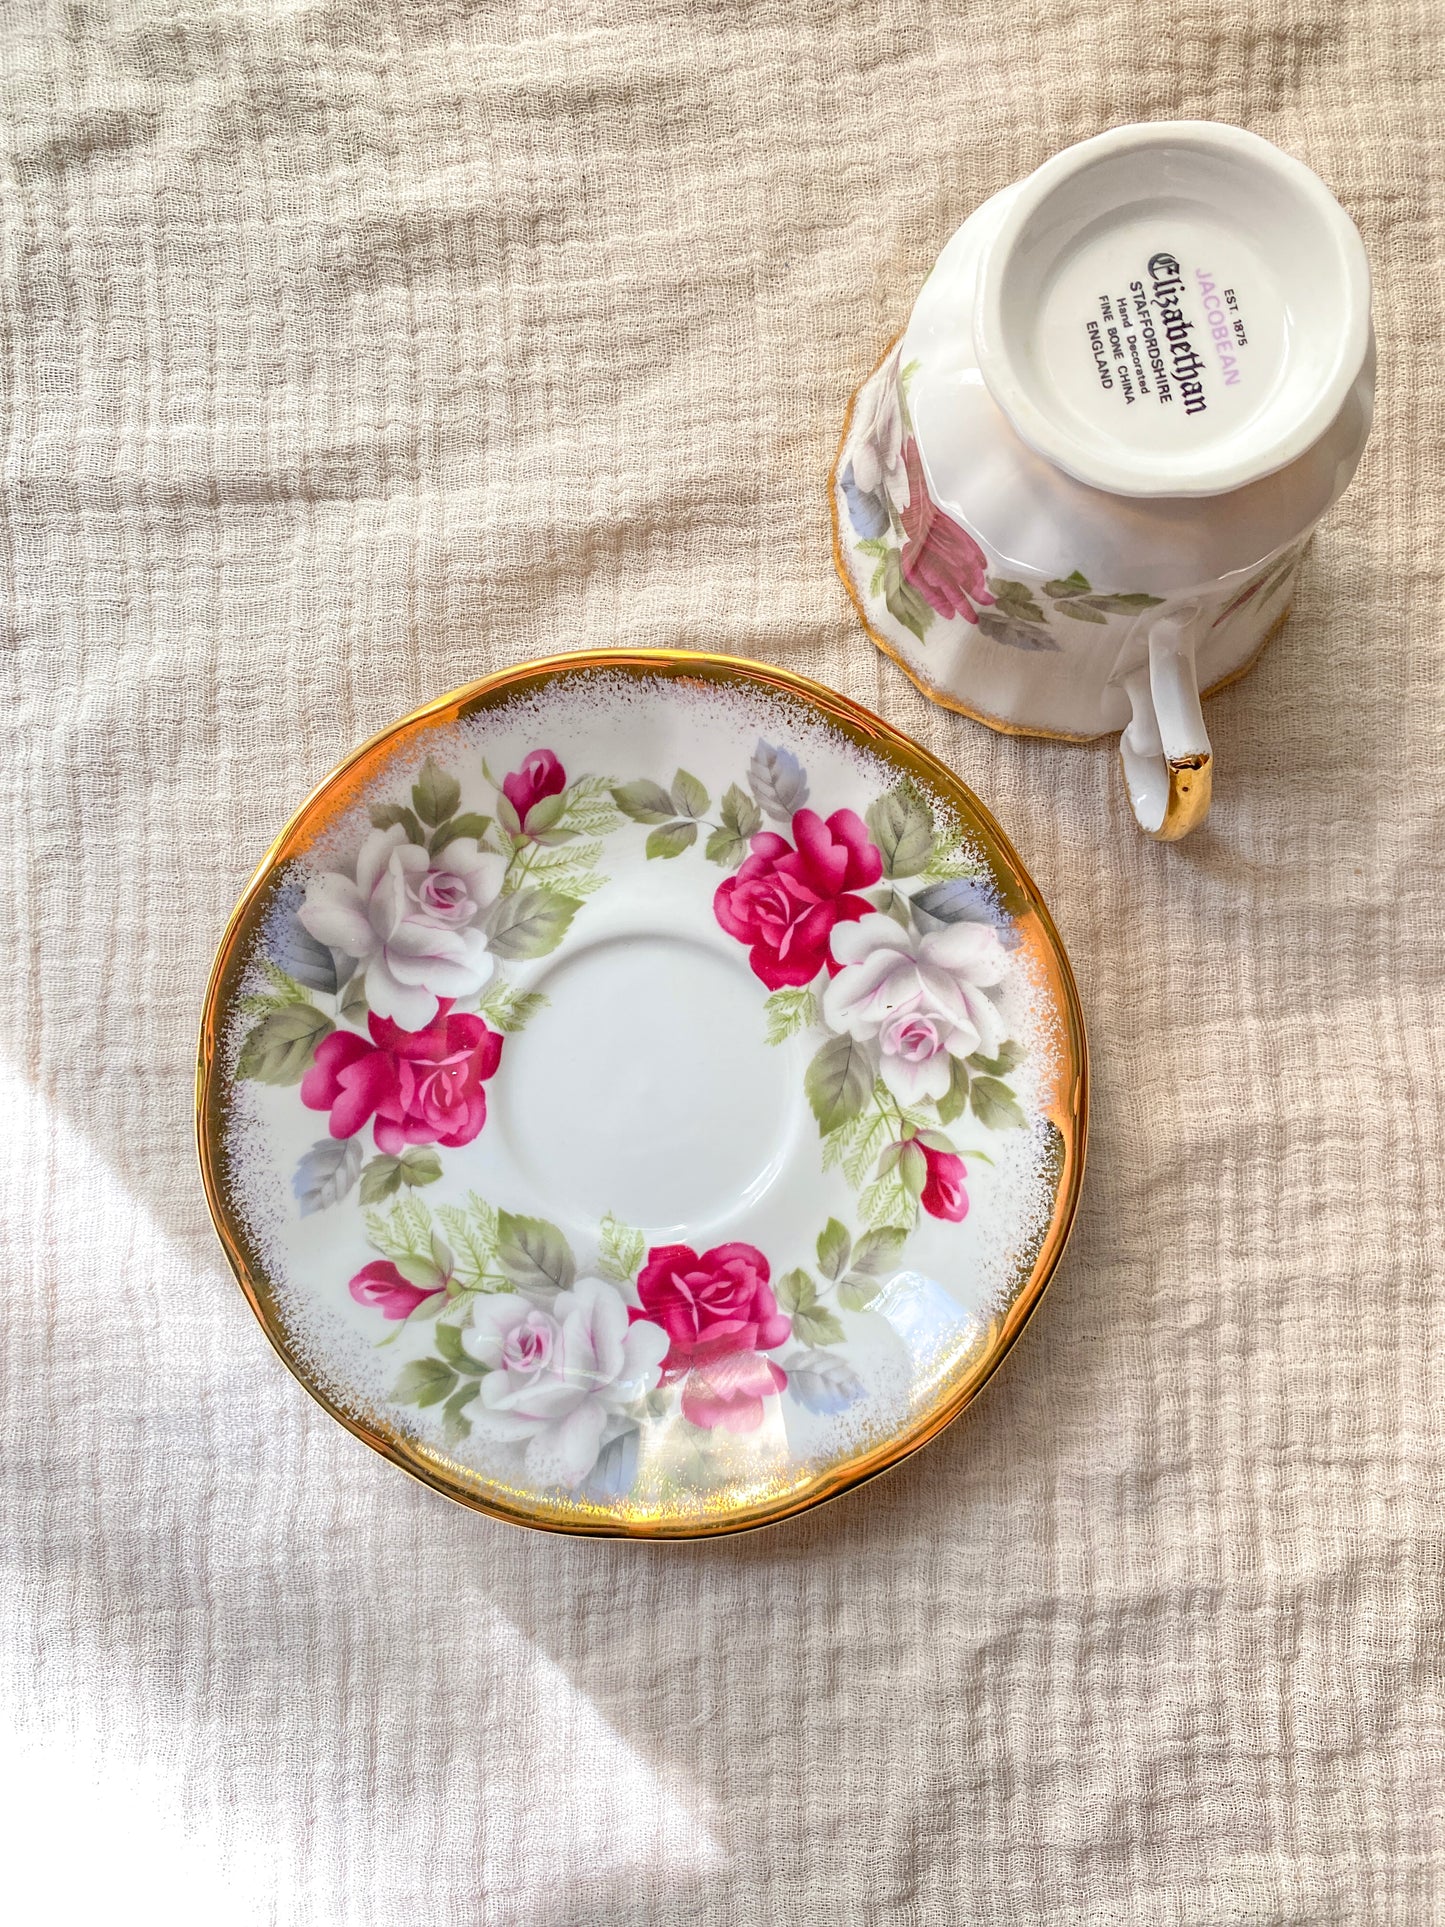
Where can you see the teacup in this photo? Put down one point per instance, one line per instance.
(1077, 491)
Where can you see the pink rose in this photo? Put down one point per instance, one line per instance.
(785, 902)
(709, 1306)
(421, 1086)
(381, 1287)
(540, 776)
(730, 1392)
(944, 1195)
(940, 559)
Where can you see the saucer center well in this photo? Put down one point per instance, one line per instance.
(647, 1088)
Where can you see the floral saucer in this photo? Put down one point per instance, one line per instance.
(642, 1093)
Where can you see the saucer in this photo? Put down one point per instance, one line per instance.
(642, 1093)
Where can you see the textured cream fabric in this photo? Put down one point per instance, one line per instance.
(352, 350)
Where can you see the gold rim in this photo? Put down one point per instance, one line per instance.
(996, 723)
(1066, 1106)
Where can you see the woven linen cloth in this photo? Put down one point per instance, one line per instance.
(353, 351)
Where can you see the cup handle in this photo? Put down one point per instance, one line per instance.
(1165, 748)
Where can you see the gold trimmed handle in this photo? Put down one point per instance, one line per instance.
(1167, 760)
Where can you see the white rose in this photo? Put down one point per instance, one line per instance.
(560, 1377)
(411, 920)
(922, 998)
(876, 447)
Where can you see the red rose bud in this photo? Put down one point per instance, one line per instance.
(943, 1194)
(540, 776)
(381, 1286)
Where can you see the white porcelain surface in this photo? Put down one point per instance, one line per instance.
(555, 1019)
(1012, 589)
(1239, 279)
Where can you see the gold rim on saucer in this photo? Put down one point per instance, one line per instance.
(709, 1406)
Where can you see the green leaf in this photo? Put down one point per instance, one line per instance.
(419, 1271)
(790, 1011)
(1015, 600)
(739, 812)
(912, 1170)
(283, 988)
(435, 793)
(425, 1381)
(954, 1101)
(689, 798)
(508, 1009)
(1010, 1056)
(889, 1156)
(529, 923)
(471, 823)
(1124, 605)
(403, 1231)
(1075, 584)
(672, 839)
(280, 1048)
(507, 815)
(449, 1344)
(473, 1234)
(384, 815)
(620, 1251)
(903, 601)
(353, 1000)
(878, 1251)
(725, 848)
(892, 905)
(857, 1293)
(428, 1309)
(834, 1249)
(902, 827)
(795, 1291)
(379, 1178)
(419, 1164)
(1079, 612)
(644, 801)
(546, 814)
(456, 1426)
(817, 1326)
(534, 1254)
(838, 1081)
(994, 1104)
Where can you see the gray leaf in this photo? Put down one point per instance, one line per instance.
(302, 957)
(326, 1173)
(1014, 635)
(821, 1382)
(615, 1472)
(956, 900)
(776, 779)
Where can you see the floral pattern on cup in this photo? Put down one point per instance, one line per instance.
(926, 565)
(876, 935)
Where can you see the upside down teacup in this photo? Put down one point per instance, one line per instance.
(1077, 491)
